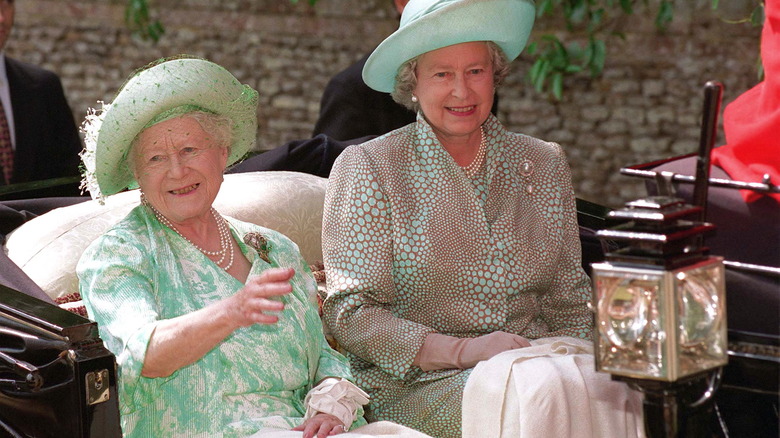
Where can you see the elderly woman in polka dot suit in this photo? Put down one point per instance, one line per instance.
(449, 240)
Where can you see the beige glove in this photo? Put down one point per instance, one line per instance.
(442, 352)
(335, 396)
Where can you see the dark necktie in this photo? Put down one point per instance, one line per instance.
(6, 150)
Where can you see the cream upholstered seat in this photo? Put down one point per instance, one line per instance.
(48, 247)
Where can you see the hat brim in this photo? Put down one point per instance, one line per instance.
(168, 85)
(507, 23)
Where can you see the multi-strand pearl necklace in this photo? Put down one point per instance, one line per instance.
(226, 249)
(476, 164)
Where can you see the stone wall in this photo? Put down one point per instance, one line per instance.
(646, 106)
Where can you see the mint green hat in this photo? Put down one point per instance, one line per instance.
(167, 86)
(432, 24)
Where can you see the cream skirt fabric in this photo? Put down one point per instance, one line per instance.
(550, 389)
(383, 429)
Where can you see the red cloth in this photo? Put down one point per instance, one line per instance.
(752, 121)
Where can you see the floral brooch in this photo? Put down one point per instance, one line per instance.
(259, 243)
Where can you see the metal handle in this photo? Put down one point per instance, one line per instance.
(712, 385)
(32, 379)
(713, 92)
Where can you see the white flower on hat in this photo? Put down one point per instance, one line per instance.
(91, 127)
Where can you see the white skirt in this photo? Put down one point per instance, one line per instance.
(550, 389)
(382, 429)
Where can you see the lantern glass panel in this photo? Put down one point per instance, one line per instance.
(629, 322)
(702, 332)
(659, 324)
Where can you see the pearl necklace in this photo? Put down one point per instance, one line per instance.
(476, 165)
(224, 237)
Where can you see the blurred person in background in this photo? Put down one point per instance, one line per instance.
(39, 138)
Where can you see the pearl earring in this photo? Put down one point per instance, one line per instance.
(414, 98)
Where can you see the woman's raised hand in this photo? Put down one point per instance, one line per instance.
(251, 304)
(180, 341)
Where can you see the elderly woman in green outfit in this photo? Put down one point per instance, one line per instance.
(452, 240)
(210, 318)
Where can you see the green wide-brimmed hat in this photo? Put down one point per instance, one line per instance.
(159, 88)
(432, 24)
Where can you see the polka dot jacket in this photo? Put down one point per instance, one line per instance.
(412, 246)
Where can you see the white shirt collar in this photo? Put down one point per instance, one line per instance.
(3, 74)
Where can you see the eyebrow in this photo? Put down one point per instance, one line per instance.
(452, 67)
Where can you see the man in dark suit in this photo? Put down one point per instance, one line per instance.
(47, 139)
(350, 109)
(43, 133)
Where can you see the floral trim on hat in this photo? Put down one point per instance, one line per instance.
(91, 128)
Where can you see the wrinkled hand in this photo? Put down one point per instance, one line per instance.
(321, 426)
(484, 347)
(252, 302)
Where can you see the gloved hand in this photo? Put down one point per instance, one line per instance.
(442, 352)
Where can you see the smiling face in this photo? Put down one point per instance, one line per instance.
(179, 167)
(455, 89)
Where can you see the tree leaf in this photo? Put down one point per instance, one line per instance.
(557, 85)
(598, 56)
(627, 6)
(757, 17)
(665, 15)
(544, 8)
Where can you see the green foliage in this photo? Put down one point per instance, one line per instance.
(757, 17)
(139, 21)
(589, 23)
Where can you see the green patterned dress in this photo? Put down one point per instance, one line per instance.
(412, 246)
(141, 272)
